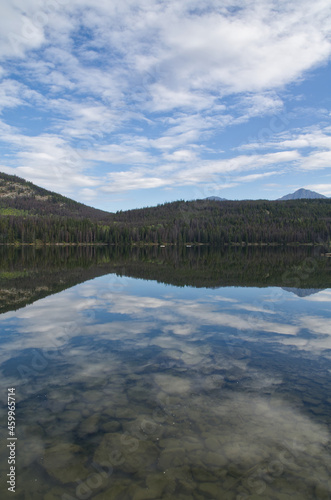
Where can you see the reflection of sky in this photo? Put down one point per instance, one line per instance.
(237, 354)
(120, 309)
(122, 313)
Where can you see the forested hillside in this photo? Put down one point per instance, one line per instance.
(29, 214)
(20, 197)
(215, 222)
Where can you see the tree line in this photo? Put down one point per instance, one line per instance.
(194, 222)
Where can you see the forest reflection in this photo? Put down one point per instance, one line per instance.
(29, 273)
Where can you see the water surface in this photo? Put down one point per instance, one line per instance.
(132, 388)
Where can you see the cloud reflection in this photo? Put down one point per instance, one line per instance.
(55, 321)
(212, 375)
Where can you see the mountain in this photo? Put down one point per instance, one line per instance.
(20, 197)
(216, 198)
(302, 194)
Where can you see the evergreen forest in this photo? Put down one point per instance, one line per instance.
(32, 215)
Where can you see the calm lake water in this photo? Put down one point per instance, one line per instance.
(187, 374)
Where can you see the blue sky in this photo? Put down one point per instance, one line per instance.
(126, 104)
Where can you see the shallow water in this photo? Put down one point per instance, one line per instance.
(133, 389)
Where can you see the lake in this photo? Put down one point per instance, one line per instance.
(164, 373)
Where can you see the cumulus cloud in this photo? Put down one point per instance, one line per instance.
(312, 148)
(321, 188)
(151, 83)
(199, 172)
(309, 138)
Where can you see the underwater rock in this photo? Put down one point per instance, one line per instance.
(126, 453)
(203, 475)
(29, 486)
(322, 492)
(117, 491)
(286, 496)
(71, 416)
(173, 385)
(191, 443)
(138, 493)
(56, 494)
(182, 477)
(215, 459)
(212, 444)
(142, 427)
(64, 461)
(138, 393)
(157, 482)
(212, 489)
(91, 396)
(111, 426)
(171, 457)
(89, 425)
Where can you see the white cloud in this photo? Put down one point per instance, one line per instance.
(147, 84)
(316, 160)
(312, 148)
(200, 172)
(258, 48)
(10, 94)
(184, 155)
(175, 55)
(20, 28)
(321, 188)
(256, 105)
(48, 161)
(318, 138)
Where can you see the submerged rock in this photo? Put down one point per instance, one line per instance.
(65, 462)
(71, 416)
(212, 489)
(111, 426)
(157, 482)
(138, 493)
(171, 457)
(173, 385)
(215, 459)
(117, 491)
(89, 425)
(126, 453)
(212, 444)
(203, 475)
(57, 493)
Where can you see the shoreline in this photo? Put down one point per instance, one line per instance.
(164, 245)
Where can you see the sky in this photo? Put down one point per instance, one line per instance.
(123, 104)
